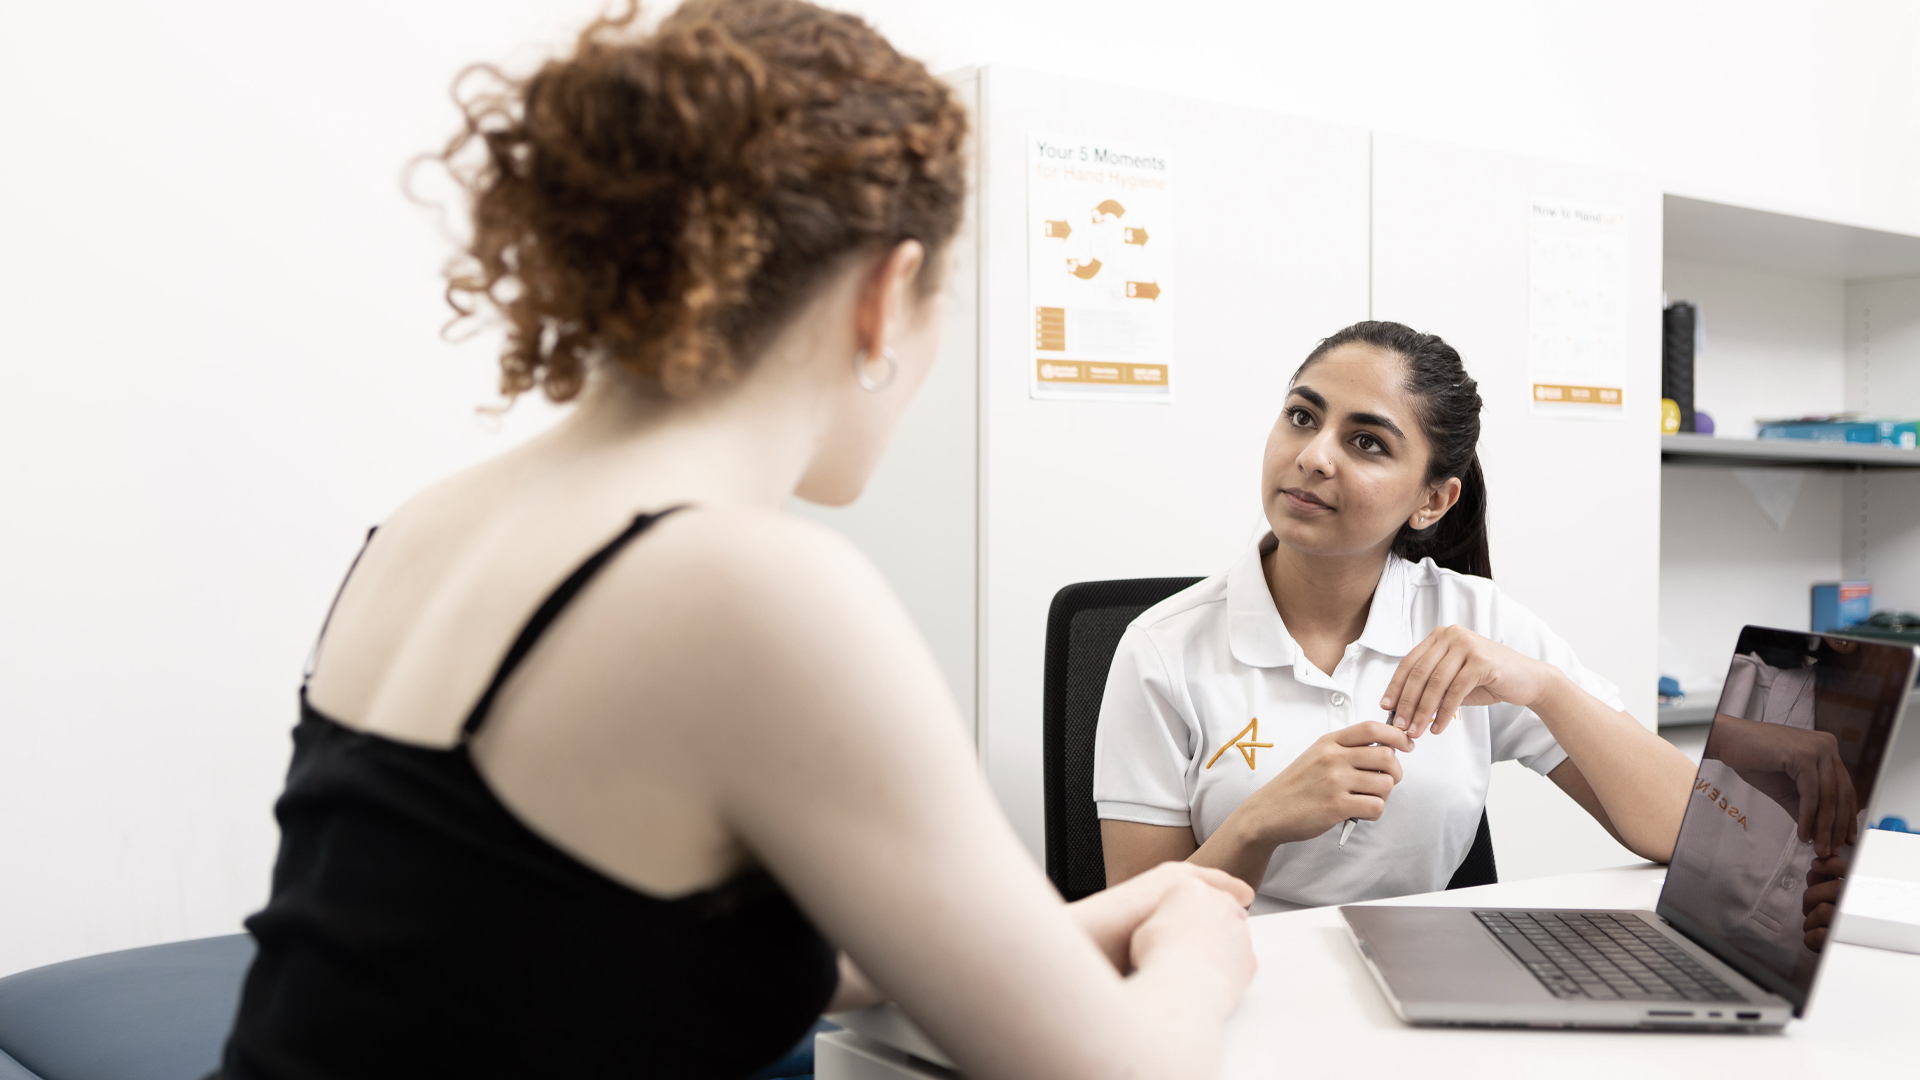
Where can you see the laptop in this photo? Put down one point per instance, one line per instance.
(1801, 730)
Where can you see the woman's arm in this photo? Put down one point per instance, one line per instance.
(1638, 782)
(822, 733)
(1132, 848)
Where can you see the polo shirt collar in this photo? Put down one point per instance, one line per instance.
(1254, 631)
(1389, 630)
(1258, 638)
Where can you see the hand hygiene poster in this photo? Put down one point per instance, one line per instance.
(1100, 270)
(1576, 321)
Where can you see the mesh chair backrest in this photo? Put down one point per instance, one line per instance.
(1083, 630)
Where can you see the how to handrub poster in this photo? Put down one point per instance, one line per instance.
(1576, 311)
(1100, 279)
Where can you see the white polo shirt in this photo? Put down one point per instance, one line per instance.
(1207, 673)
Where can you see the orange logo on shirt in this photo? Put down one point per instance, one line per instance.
(1244, 743)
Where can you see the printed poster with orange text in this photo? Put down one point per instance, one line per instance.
(1576, 310)
(1100, 280)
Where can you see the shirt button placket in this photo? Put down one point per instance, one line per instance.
(1337, 711)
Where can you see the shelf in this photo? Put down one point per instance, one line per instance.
(1796, 453)
(1687, 713)
(1696, 708)
(1716, 232)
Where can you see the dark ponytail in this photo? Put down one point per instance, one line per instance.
(1448, 404)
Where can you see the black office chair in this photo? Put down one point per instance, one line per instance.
(1083, 630)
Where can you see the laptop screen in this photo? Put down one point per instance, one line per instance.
(1781, 799)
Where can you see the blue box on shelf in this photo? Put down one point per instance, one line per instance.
(1901, 433)
(1840, 604)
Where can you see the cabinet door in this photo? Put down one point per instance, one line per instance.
(1269, 215)
(1574, 504)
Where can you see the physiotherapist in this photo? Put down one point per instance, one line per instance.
(1248, 717)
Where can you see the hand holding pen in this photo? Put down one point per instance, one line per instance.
(1343, 774)
(1453, 667)
(1346, 830)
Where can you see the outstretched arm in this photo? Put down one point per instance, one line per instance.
(1633, 782)
(839, 762)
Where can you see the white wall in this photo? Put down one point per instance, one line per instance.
(1802, 106)
(1772, 344)
(1883, 378)
(1724, 564)
(220, 324)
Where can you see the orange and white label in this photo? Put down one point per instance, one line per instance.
(1577, 395)
(1101, 372)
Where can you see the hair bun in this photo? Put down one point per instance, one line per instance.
(664, 201)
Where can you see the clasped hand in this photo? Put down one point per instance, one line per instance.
(1175, 905)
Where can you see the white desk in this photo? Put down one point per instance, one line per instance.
(1314, 1011)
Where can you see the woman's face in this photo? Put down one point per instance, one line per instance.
(1346, 464)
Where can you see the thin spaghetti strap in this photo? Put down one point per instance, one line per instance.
(550, 610)
(313, 655)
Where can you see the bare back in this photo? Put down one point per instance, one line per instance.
(572, 747)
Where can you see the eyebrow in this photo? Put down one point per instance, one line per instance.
(1366, 419)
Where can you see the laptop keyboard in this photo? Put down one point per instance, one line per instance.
(1604, 955)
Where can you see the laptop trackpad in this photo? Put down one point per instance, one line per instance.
(1440, 954)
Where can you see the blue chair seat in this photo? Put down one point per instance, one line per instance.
(158, 1013)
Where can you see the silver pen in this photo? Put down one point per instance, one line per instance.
(1347, 829)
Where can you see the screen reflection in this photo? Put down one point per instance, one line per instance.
(1781, 796)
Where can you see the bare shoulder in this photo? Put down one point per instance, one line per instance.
(748, 568)
(761, 621)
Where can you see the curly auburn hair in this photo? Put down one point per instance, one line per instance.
(663, 201)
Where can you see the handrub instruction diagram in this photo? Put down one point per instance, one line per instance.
(1099, 277)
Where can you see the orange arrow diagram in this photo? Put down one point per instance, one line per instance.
(1059, 230)
(1142, 290)
(1134, 236)
(1086, 270)
(1109, 207)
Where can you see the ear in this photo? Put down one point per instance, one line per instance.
(887, 295)
(1440, 499)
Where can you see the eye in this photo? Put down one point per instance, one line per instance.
(1367, 444)
(1299, 417)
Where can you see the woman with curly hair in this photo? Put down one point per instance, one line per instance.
(605, 765)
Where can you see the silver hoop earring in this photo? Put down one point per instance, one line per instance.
(869, 383)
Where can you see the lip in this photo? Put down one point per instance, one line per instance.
(1304, 502)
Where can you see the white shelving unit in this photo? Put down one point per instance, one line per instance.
(1800, 317)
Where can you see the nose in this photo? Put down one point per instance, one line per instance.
(1317, 455)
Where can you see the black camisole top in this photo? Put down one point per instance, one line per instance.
(417, 928)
